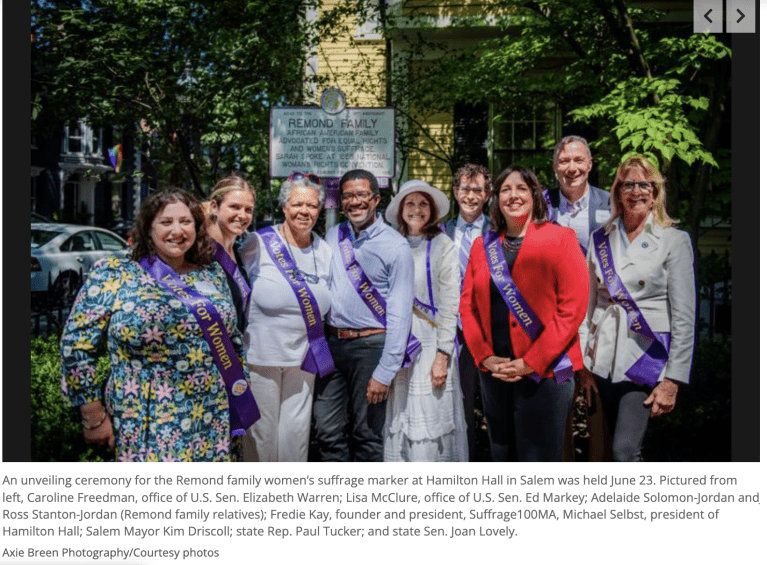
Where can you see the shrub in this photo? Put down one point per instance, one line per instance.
(57, 433)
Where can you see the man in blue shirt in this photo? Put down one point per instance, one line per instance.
(584, 208)
(368, 347)
(472, 187)
(577, 204)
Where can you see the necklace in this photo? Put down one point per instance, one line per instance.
(512, 244)
(298, 273)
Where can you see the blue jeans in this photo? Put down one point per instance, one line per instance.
(526, 420)
(347, 427)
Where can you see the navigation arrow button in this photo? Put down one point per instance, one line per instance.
(708, 16)
(740, 16)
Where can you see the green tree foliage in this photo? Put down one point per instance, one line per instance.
(199, 77)
(640, 78)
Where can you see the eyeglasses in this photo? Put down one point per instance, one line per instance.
(361, 196)
(298, 176)
(300, 275)
(643, 186)
(471, 190)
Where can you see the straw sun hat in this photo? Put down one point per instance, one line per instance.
(439, 197)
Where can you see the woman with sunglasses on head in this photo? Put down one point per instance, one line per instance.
(424, 413)
(288, 266)
(640, 325)
(524, 296)
(230, 212)
(177, 388)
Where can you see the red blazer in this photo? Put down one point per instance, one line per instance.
(551, 274)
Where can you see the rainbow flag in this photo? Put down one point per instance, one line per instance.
(116, 156)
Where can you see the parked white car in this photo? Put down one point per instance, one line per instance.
(63, 253)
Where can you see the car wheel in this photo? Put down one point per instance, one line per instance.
(66, 286)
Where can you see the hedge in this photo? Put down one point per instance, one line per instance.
(57, 433)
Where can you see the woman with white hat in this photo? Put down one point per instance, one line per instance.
(424, 414)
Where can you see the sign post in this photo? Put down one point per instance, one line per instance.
(311, 140)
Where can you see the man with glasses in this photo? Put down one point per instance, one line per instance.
(583, 208)
(471, 188)
(368, 327)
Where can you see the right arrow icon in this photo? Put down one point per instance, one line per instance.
(739, 15)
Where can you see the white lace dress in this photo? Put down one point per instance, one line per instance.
(424, 423)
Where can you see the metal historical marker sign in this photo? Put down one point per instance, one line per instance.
(312, 140)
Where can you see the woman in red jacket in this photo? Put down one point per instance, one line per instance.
(524, 296)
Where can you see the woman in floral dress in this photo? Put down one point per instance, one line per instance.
(164, 399)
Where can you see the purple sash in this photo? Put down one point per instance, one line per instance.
(518, 306)
(647, 368)
(318, 360)
(243, 411)
(549, 207)
(368, 293)
(427, 311)
(234, 272)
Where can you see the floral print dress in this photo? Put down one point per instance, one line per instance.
(165, 394)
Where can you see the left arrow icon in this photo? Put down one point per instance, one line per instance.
(709, 19)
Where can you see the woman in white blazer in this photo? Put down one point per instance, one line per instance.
(640, 326)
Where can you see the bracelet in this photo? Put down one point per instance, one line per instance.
(89, 427)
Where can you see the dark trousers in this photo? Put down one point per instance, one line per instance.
(347, 428)
(469, 376)
(626, 417)
(526, 420)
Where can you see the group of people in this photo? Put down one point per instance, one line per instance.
(228, 345)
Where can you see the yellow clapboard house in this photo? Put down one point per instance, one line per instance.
(373, 69)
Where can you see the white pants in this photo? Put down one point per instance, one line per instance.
(284, 398)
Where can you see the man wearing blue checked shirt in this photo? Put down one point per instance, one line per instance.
(350, 403)
(471, 187)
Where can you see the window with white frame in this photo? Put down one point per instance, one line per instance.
(74, 137)
(368, 23)
(95, 143)
(81, 139)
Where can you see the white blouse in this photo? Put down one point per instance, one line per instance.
(445, 280)
(276, 332)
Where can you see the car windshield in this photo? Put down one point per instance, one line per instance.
(41, 237)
